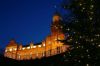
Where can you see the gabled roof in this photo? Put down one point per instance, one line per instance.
(12, 43)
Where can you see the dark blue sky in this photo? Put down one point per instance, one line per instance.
(25, 20)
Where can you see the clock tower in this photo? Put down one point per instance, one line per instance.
(56, 27)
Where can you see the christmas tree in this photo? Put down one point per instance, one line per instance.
(83, 33)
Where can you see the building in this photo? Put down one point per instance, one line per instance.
(48, 47)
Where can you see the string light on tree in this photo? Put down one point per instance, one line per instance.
(91, 40)
(80, 36)
(91, 6)
(86, 25)
(83, 8)
(99, 45)
(87, 50)
(87, 64)
(97, 35)
(80, 4)
(91, 12)
(79, 61)
(90, 18)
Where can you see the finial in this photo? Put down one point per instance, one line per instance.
(55, 6)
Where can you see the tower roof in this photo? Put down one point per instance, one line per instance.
(12, 43)
(57, 14)
(56, 17)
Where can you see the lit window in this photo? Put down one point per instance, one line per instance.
(31, 46)
(59, 38)
(28, 47)
(49, 42)
(37, 54)
(5, 50)
(18, 56)
(43, 54)
(34, 46)
(55, 39)
(43, 44)
(23, 48)
(10, 49)
(39, 45)
(15, 49)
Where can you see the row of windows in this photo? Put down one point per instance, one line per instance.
(14, 49)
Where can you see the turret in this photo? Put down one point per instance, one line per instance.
(12, 46)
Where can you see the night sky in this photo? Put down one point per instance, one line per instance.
(25, 20)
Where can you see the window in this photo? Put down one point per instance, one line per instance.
(18, 56)
(39, 45)
(44, 44)
(10, 49)
(5, 50)
(28, 47)
(23, 48)
(34, 46)
(15, 49)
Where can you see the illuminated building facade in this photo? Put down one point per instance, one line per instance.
(48, 47)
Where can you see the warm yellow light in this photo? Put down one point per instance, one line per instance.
(31, 46)
(59, 38)
(28, 47)
(15, 49)
(49, 42)
(23, 48)
(34, 46)
(10, 49)
(5, 50)
(43, 44)
(55, 38)
(39, 45)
